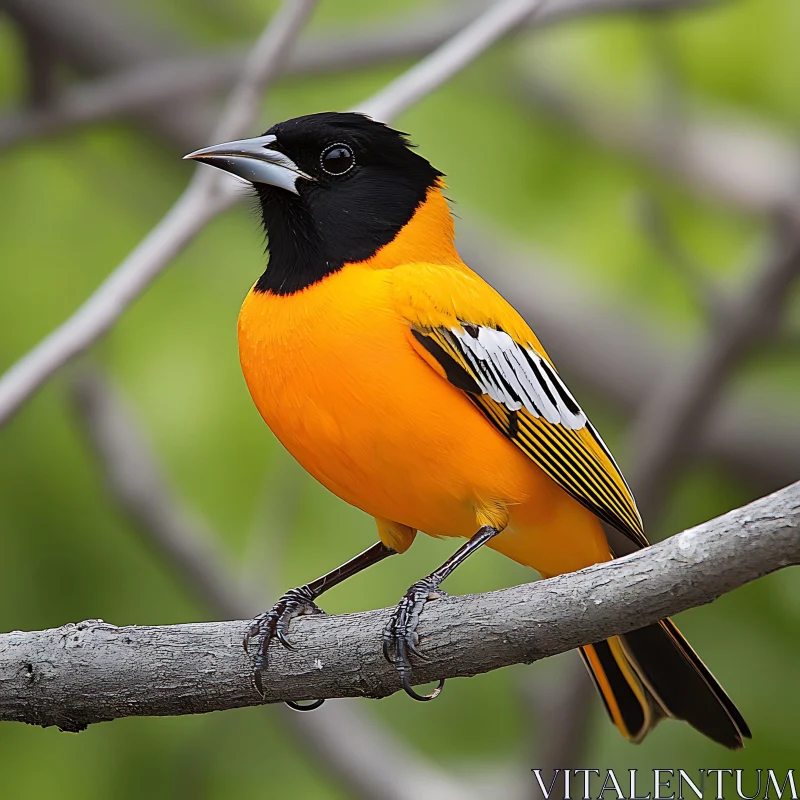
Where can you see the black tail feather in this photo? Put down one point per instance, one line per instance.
(682, 684)
(653, 673)
(626, 700)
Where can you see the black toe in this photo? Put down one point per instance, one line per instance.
(274, 624)
(400, 637)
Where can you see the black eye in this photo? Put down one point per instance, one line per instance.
(336, 159)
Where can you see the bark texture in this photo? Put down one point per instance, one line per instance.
(93, 671)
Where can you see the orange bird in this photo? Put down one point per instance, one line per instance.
(410, 388)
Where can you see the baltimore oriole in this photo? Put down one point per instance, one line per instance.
(410, 388)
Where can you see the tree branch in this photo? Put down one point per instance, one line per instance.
(92, 672)
(40, 62)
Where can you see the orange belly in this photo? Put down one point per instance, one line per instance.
(333, 374)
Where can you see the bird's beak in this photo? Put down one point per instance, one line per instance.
(254, 161)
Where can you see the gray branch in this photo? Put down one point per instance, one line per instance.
(92, 672)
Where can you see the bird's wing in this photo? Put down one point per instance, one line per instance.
(481, 345)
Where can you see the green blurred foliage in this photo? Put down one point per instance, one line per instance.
(72, 207)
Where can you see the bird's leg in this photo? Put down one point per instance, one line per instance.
(400, 638)
(274, 624)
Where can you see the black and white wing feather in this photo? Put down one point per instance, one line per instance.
(522, 395)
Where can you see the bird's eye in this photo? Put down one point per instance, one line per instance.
(336, 159)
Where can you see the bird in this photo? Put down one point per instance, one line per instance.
(410, 388)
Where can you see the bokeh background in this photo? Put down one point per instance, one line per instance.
(568, 152)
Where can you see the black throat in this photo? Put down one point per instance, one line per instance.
(297, 257)
(314, 234)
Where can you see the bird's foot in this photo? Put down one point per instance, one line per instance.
(274, 624)
(400, 637)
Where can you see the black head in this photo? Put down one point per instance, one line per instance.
(333, 187)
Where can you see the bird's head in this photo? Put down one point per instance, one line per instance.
(334, 189)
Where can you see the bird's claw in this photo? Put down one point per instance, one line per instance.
(274, 624)
(400, 637)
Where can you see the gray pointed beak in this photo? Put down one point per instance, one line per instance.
(254, 161)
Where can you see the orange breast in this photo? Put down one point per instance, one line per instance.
(333, 374)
